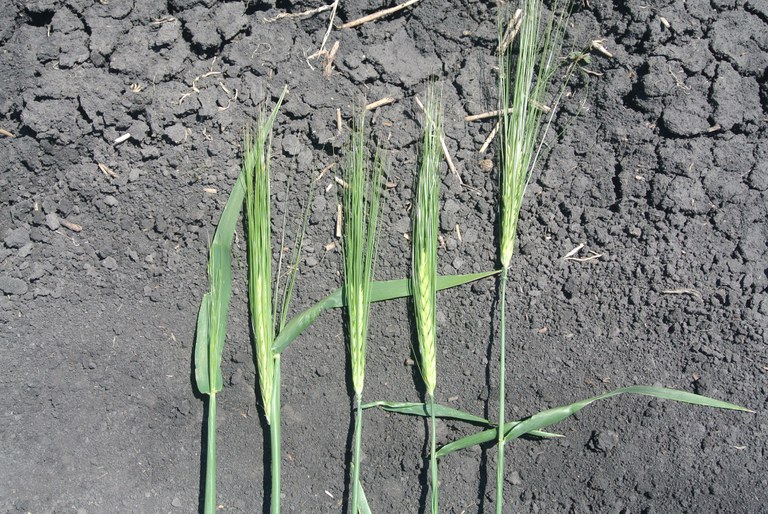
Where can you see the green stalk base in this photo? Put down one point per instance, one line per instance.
(354, 504)
(433, 457)
(502, 396)
(274, 438)
(210, 459)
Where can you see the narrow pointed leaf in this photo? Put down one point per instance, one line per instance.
(549, 417)
(488, 435)
(423, 409)
(380, 291)
(220, 278)
(225, 230)
(363, 507)
(673, 394)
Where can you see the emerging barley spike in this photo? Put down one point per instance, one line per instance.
(424, 258)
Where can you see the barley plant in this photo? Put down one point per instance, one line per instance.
(361, 198)
(424, 262)
(263, 302)
(522, 102)
(211, 330)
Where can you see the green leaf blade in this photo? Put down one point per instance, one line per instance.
(214, 307)
(675, 395)
(381, 290)
(201, 347)
(424, 410)
(548, 417)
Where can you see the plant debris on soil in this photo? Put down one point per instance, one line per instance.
(120, 138)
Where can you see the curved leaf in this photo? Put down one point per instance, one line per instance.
(549, 417)
(381, 290)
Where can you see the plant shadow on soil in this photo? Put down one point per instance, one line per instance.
(418, 384)
(205, 399)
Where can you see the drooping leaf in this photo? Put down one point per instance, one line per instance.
(549, 417)
(380, 291)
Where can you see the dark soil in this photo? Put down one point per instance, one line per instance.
(661, 168)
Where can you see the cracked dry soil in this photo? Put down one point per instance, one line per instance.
(659, 167)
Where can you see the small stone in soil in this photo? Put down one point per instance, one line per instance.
(176, 133)
(291, 145)
(110, 263)
(470, 236)
(52, 221)
(25, 250)
(10, 285)
(605, 440)
(17, 238)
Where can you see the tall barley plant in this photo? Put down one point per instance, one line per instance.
(361, 199)
(525, 77)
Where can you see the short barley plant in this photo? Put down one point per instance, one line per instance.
(211, 330)
(424, 262)
(216, 306)
(361, 198)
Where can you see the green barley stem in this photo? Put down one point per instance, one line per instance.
(210, 469)
(424, 260)
(361, 198)
(256, 163)
(433, 457)
(522, 103)
(274, 434)
(356, 454)
(502, 397)
(217, 333)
